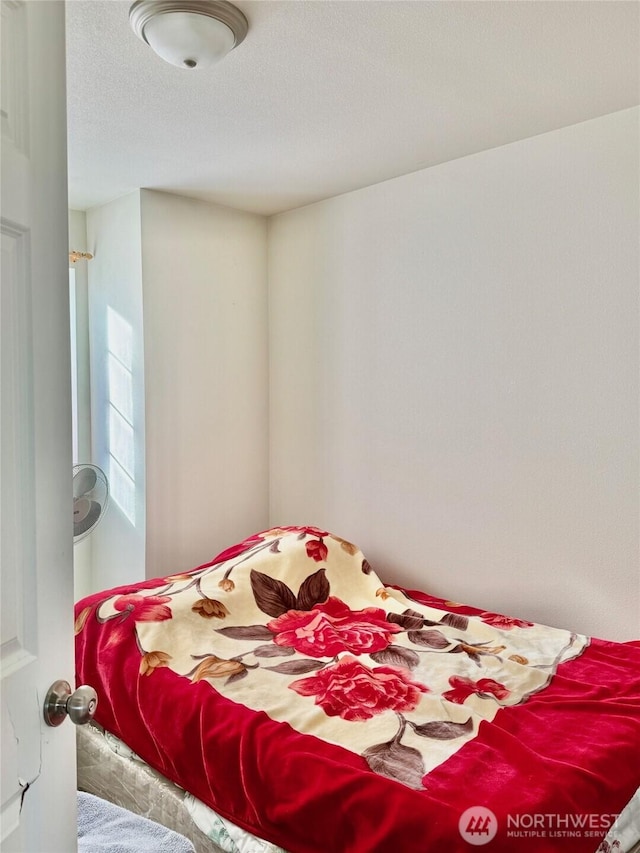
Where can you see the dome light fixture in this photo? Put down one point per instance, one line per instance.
(189, 33)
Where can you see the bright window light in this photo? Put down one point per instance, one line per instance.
(119, 338)
(120, 388)
(121, 440)
(74, 364)
(121, 425)
(123, 489)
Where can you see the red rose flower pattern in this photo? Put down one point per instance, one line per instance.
(352, 691)
(505, 623)
(331, 628)
(464, 687)
(149, 608)
(315, 638)
(317, 550)
(130, 609)
(312, 531)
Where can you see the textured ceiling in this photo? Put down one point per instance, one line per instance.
(324, 97)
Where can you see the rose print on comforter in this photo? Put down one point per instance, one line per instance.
(426, 675)
(213, 676)
(331, 628)
(354, 692)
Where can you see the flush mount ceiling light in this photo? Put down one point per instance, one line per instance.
(189, 33)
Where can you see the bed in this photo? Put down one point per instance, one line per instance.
(290, 691)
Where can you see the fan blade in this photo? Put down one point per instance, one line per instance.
(83, 481)
(87, 520)
(81, 508)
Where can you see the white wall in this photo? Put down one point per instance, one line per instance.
(199, 372)
(454, 376)
(115, 291)
(206, 378)
(78, 242)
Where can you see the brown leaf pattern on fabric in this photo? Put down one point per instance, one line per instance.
(476, 650)
(215, 667)
(443, 729)
(151, 661)
(272, 596)
(296, 667)
(399, 762)
(209, 608)
(410, 620)
(273, 651)
(246, 632)
(349, 547)
(455, 620)
(81, 620)
(429, 639)
(396, 656)
(313, 590)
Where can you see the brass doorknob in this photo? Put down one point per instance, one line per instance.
(60, 702)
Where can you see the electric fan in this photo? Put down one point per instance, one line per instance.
(90, 499)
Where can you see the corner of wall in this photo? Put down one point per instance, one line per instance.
(117, 387)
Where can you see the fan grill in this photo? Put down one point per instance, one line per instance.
(90, 499)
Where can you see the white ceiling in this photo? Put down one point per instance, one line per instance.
(325, 96)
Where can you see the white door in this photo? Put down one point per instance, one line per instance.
(37, 797)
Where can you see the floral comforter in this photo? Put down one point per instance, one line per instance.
(288, 688)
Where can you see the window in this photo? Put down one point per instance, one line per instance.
(120, 414)
(74, 363)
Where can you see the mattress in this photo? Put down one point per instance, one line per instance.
(289, 689)
(109, 769)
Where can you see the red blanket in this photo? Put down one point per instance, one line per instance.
(288, 688)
